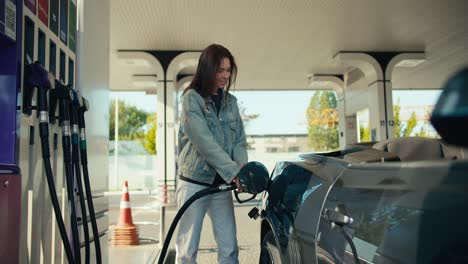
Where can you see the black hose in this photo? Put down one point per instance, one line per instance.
(53, 193)
(182, 210)
(76, 165)
(84, 165)
(351, 244)
(71, 203)
(71, 200)
(92, 216)
(84, 218)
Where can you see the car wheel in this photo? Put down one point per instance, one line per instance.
(269, 253)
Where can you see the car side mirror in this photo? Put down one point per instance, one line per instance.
(450, 114)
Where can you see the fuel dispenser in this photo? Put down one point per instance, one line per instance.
(29, 99)
(10, 174)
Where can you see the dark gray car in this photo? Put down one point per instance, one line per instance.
(396, 201)
(320, 207)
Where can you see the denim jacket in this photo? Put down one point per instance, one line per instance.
(210, 143)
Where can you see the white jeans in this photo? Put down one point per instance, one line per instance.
(220, 209)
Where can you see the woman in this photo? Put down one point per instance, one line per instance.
(212, 149)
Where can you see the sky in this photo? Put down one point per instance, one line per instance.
(280, 112)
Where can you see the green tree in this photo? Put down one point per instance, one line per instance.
(397, 121)
(150, 136)
(405, 129)
(410, 125)
(322, 118)
(364, 134)
(131, 121)
(422, 133)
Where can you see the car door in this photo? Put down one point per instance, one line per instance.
(401, 213)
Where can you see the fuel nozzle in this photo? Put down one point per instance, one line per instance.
(84, 106)
(74, 106)
(254, 179)
(36, 76)
(60, 96)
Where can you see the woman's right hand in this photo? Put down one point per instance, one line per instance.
(239, 186)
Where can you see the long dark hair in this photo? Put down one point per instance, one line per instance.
(204, 80)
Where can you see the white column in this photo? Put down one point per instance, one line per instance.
(341, 123)
(351, 129)
(160, 135)
(380, 110)
(171, 133)
(94, 84)
(166, 138)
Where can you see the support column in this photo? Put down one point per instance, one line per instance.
(380, 110)
(349, 121)
(173, 62)
(377, 68)
(171, 138)
(161, 135)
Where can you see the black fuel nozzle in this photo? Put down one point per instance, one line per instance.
(254, 179)
(36, 76)
(74, 108)
(74, 105)
(60, 96)
(84, 106)
(53, 101)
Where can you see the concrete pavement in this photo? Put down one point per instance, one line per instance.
(248, 233)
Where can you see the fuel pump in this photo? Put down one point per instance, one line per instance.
(253, 178)
(36, 77)
(84, 106)
(63, 96)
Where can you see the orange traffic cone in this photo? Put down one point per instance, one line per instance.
(125, 232)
